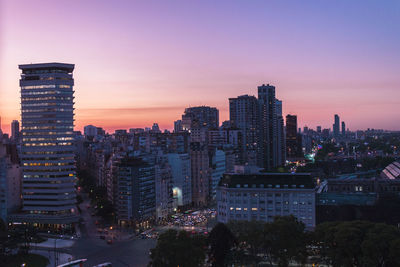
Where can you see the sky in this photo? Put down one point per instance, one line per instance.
(140, 62)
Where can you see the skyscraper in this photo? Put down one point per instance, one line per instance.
(15, 130)
(267, 144)
(47, 108)
(343, 128)
(292, 145)
(243, 114)
(281, 142)
(336, 126)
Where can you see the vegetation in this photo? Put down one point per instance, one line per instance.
(221, 240)
(98, 196)
(357, 243)
(283, 242)
(178, 249)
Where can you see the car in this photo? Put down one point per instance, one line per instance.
(109, 241)
(102, 237)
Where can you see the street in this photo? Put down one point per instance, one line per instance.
(124, 251)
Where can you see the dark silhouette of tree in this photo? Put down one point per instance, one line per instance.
(221, 240)
(178, 249)
(285, 240)
(376, 247)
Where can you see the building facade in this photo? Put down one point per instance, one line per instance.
(243, 115)
(47, 153)
(261, 197)
(181, 179)
(267, 144)
(136, 191)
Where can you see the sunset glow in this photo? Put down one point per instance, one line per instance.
(139, 62)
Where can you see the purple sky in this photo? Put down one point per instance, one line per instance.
(139, 62)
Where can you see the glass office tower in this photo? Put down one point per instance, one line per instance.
(47, 153)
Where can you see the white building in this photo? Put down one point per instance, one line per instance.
(261, 197)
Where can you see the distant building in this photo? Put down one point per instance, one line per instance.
(15, 130)
(281, 149)
(155, 128)
(218, 168)
(267, 137)
(90, 131)
(336, 126)
(163, 186)
(261, 197)
(343, 129)
(201, 179)
(178, 126)
(10, 180)
(199, 117)
(293, 139)
(243, 115)
(319, 129)
(181, 179)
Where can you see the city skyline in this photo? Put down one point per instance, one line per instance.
(320, 58)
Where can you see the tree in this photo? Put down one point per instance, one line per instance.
(221, 240)
(250, 236)
(377, 244)
(285, 240)
(178, 249)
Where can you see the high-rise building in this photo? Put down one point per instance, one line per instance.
(293, 147)
(217, 170)
(199, 117)
(178, 126)
(90, 131)
(200, 167)
(10, 180)
(243, 114)
(15, 130)
(343, 128)
(267, 144)
(181, 179)
(137, 192)
(336, 126)
(319, 129)
(281, 150)
(155, 128)
(47, 153)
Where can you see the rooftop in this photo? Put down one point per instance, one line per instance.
(268, 180)
(51, 65)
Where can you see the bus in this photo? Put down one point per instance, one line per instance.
(106, 264)
(75, 263)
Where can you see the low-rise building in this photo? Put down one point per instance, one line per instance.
(261, 197)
